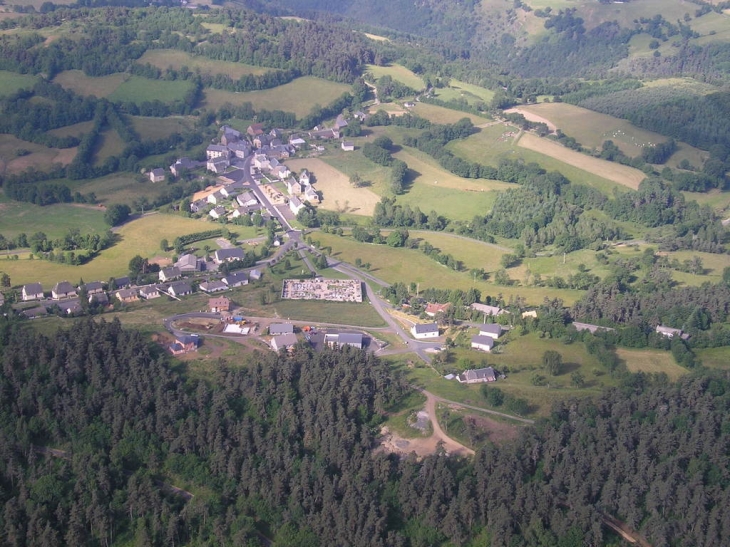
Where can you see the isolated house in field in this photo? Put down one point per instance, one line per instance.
(477, 376)
(168, 274)
(157, 175)
(284, 341)
(213, 286)
(32, 291)
(237, 279)
(149, 292)
(427, 330)
(219, 304)
(492, 330)
(277, 329)
(228, 255)
(185, 344)
(482, 343)
(127, 295)
(64, 289)
(348, 146)
(179, 288)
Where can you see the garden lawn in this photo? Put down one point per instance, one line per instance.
(298, 96)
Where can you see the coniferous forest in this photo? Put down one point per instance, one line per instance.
(104, 442)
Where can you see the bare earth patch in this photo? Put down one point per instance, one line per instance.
(621, 174)
(498, 432)
(337, 192)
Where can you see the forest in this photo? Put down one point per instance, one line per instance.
(98, 427)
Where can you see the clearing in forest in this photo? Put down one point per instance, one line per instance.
(651, 361)
(81, 84)
(172, 58)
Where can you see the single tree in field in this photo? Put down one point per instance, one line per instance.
(553, 362)
(5, 280)
(164, 245)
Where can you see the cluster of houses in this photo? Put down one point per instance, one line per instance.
(283, 337)
(65, 296)
(488, 334)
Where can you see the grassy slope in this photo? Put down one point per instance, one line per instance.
(80, 83)
(398, 73)
(139, 90)
(298, 96)
(165, 58)
(10, 82)
(53, 220)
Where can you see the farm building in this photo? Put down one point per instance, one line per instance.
(157, 175)
(187, 263)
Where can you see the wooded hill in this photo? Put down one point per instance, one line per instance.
(96, 427)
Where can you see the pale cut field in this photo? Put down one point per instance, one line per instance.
(615, 172)
(298, 96)
(398, 73)
(651, 361)
(80, 83)
(591, 129)
(376, 37)
(462, 90)
(164, 58)
(337, 192)
(139, 237)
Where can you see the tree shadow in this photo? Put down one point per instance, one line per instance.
(410, 178)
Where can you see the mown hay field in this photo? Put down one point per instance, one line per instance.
(651, 361)
(139, 90)
(399, 73)
(37, 156)
(159, 128)
(81, 84)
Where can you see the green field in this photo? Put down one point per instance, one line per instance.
(80, 83)
(53, 220)
(39, 156)
(651, 361)
(75, 130)
(440, 114)
(408, 265)
(139, 237)
(461, 90)
(108, 144)
(159, 128)
(497, 141)
(117, 188)
(399, 73)
(10, 82)
(298, 96)
(345, 313)
(138, 90)
(715, 357)
(172, 58)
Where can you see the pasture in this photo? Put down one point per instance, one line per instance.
(175, 59)
(159, 128)
(715, 357)
(651, 361)
(440, 114)
(139, 90)
(492, 143)
(337, 192)
(10, 82)
(117, 188)
(139, 237)
(108, 144)
(53, 220)
(81, 84)
(461, 90)
(75, 130)
(298, 96)
(410, 265)
(39, 156)
(399, 73)
(591, 129)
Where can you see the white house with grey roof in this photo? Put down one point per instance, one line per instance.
(482, 343)
(64, 289)
(493, 330)
(477, 376)
(284, 341)
(277, 329)
(425, 330)
(32, 291)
